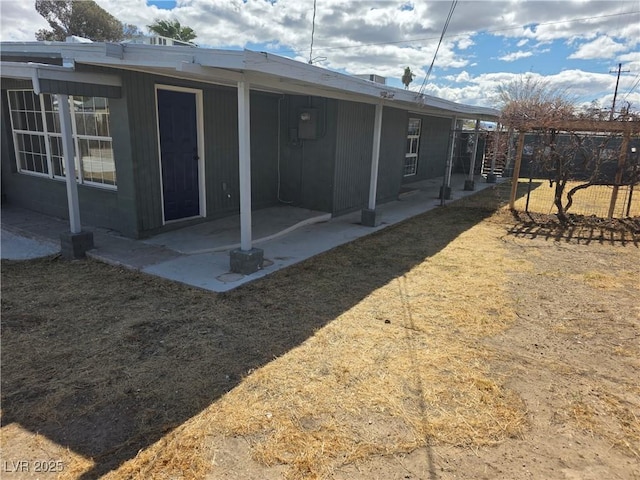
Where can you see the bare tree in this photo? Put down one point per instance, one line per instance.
(566, 145)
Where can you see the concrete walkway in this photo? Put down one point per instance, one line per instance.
(199, 255)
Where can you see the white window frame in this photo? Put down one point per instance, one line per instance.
(48, 135)
(410, 166)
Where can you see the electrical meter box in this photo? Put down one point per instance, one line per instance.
(308, 123)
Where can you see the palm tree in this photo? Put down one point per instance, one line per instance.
(172, 29)
(407, 78)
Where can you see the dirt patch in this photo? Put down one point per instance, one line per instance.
(454, 345)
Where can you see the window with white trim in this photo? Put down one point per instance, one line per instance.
(413, 141)
(35, 120)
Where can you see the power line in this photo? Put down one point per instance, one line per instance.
(444, 30)
(633, 87)
(613, 105)
(313, 30)
(464, 34)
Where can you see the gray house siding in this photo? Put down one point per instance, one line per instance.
(392, 150)
(307, 166)
(264, 150)
(354, 144)
(220, 113)
(434, 145)
(221, 151)
(98, 206)
(329, 173)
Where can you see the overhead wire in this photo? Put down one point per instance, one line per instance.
(313, 30)
(444, 31)
(633, 87)
(464, 34)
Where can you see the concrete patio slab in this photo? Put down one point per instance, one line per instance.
(199, 255)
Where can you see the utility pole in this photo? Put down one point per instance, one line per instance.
(615, 94)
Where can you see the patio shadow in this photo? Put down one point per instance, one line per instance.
(105, 361)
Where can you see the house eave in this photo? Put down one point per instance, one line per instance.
(264, 71)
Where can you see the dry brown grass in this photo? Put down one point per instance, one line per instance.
(375, 348)
(401, 369)
(594, 200)
(608, 416)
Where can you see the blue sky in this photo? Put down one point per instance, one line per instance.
(570, 44)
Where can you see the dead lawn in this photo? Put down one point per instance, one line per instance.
(463, 343)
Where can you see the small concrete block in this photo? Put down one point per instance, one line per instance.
(469, 185)
(370, 218)
(491, 177)
(447, 193)
(246, 262)
(75, 245)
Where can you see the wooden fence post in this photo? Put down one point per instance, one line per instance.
(622, 159)
(516, 171)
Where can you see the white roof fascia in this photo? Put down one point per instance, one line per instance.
(261, 69)
(210, 73)
(294, 70)
(40, 71)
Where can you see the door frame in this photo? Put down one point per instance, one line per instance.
(201, 153)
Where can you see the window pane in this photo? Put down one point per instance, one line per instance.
(29, 103)
(414, 126)
(102, 125)
(80, 130)
(411, 152)
(32, 153)
(57, 161)
(19, 120)
(96, 155)
(97, 161)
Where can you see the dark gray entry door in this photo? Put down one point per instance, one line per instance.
(179, 154)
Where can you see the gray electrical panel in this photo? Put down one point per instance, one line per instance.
(308, 123)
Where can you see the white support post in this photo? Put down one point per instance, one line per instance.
(496, 147)
(447, 179)
(375, 157)
(69, 163)
(476, 138)
(244, 149)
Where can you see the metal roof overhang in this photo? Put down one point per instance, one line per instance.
(264, 71)
(39, 72)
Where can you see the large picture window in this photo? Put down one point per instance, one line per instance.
(413, 141)
(35, 120)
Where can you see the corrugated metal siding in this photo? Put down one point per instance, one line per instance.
(307, 166)
(221, 150)
(139, 90)
(392, 150)
(264, 150)
(220, 143)
(15, 84)
(354, 145)
(75, 88)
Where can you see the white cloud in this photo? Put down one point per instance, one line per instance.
(465, 43)
(602, 47)
(513, 56)
(20, 21)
